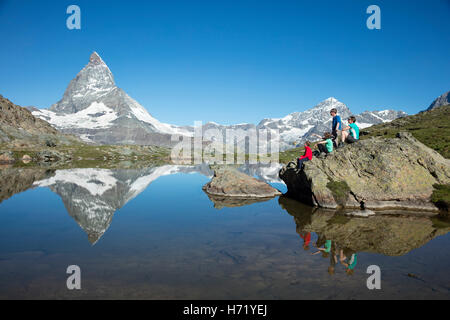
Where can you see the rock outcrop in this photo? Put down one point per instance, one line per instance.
(12, 115)
(19, 129)
(440, 101)
(229, 182)
(374, 174)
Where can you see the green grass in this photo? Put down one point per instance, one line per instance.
(291, 155)
(83, 155)
(432, 128)
(441, 196)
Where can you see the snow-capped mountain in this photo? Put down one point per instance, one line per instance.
(298, 127)
(442, 100)
(369, 118)
(95, 109)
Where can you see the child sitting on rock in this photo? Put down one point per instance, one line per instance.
(326, 145)
(307, 156)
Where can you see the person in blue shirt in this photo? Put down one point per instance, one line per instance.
(350, 133)
(336, 126)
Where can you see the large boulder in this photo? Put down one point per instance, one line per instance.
(229, 182)
(375, 173)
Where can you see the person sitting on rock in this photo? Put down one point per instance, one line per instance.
(350, 133)
(307, 156)
(326, 145)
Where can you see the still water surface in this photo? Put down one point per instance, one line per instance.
(154, 234)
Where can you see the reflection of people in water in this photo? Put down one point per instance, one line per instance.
(350, 265)
(325, 250)
(333, 259)
(306, 236)
(329, 249)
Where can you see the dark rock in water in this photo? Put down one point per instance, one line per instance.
(229, 182)
(50, 156)
(374, 174)
(50, 143)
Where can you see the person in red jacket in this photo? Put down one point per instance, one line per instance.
(306, 157)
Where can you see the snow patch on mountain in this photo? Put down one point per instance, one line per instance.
(95, 181)
(96, 116)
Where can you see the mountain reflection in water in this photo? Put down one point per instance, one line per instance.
(91, 196)
(168, 241)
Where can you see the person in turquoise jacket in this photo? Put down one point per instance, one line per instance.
(350, 133)
(326, 145)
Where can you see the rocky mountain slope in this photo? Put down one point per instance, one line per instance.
(26, 139)
(440, 101)
(374, 173)
(95, 109)
(18, 127)
(432, 128)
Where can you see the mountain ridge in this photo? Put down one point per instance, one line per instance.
(96, 110)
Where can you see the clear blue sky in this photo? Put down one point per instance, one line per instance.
(231, 61)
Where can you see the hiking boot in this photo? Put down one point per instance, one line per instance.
(291, 165)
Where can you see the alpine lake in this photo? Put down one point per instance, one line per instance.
(152, 233)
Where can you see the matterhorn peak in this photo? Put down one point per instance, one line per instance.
(95, 80)
(95, 58)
